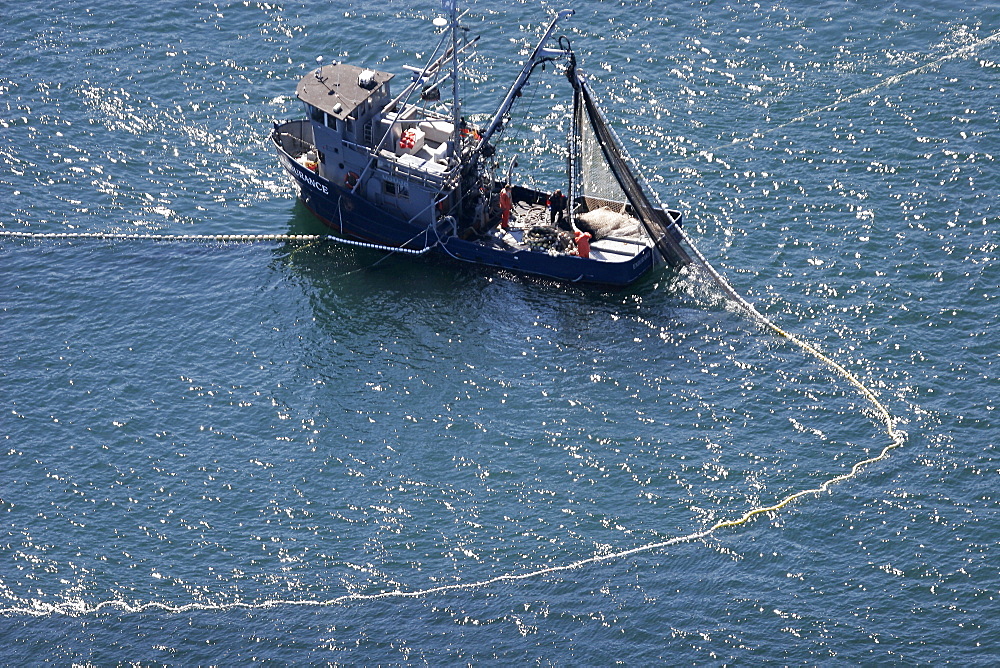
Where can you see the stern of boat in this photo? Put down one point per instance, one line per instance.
(294, 138)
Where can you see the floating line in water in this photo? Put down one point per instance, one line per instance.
(884, 416)
(240, 238)
(897, 438)
(73, 608)
(888, 81)
(892, 80)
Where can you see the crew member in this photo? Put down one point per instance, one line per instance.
(557, 205)
(506, 204)
(582, 243)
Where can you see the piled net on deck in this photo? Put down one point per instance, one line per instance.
(614, 201)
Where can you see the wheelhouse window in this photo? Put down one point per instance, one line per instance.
(316, 114)
(394, 189)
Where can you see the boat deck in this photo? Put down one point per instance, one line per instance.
(528, 216)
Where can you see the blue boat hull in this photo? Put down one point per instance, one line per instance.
(353, 217)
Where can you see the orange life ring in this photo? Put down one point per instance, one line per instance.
(351, 180)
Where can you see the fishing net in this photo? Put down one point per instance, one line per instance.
(610, 199)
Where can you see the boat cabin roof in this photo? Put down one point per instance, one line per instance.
(339, 88)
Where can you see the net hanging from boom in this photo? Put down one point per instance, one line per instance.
(610, 198)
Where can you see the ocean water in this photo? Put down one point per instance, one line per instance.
(228, 453)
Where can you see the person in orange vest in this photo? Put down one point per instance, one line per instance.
(506, 204)
(582, 243)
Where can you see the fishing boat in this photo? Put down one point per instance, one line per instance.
(402, 170)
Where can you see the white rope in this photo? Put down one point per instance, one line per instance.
(245, 238)
(38, 608)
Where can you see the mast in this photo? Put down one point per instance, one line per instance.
(456, 105)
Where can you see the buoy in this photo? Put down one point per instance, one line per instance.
(408, 140)
(351, 180)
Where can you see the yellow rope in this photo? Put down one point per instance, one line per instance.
(896, 436)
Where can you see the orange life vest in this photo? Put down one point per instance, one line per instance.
(583, 243)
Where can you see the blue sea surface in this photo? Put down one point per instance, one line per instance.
(284, 452)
